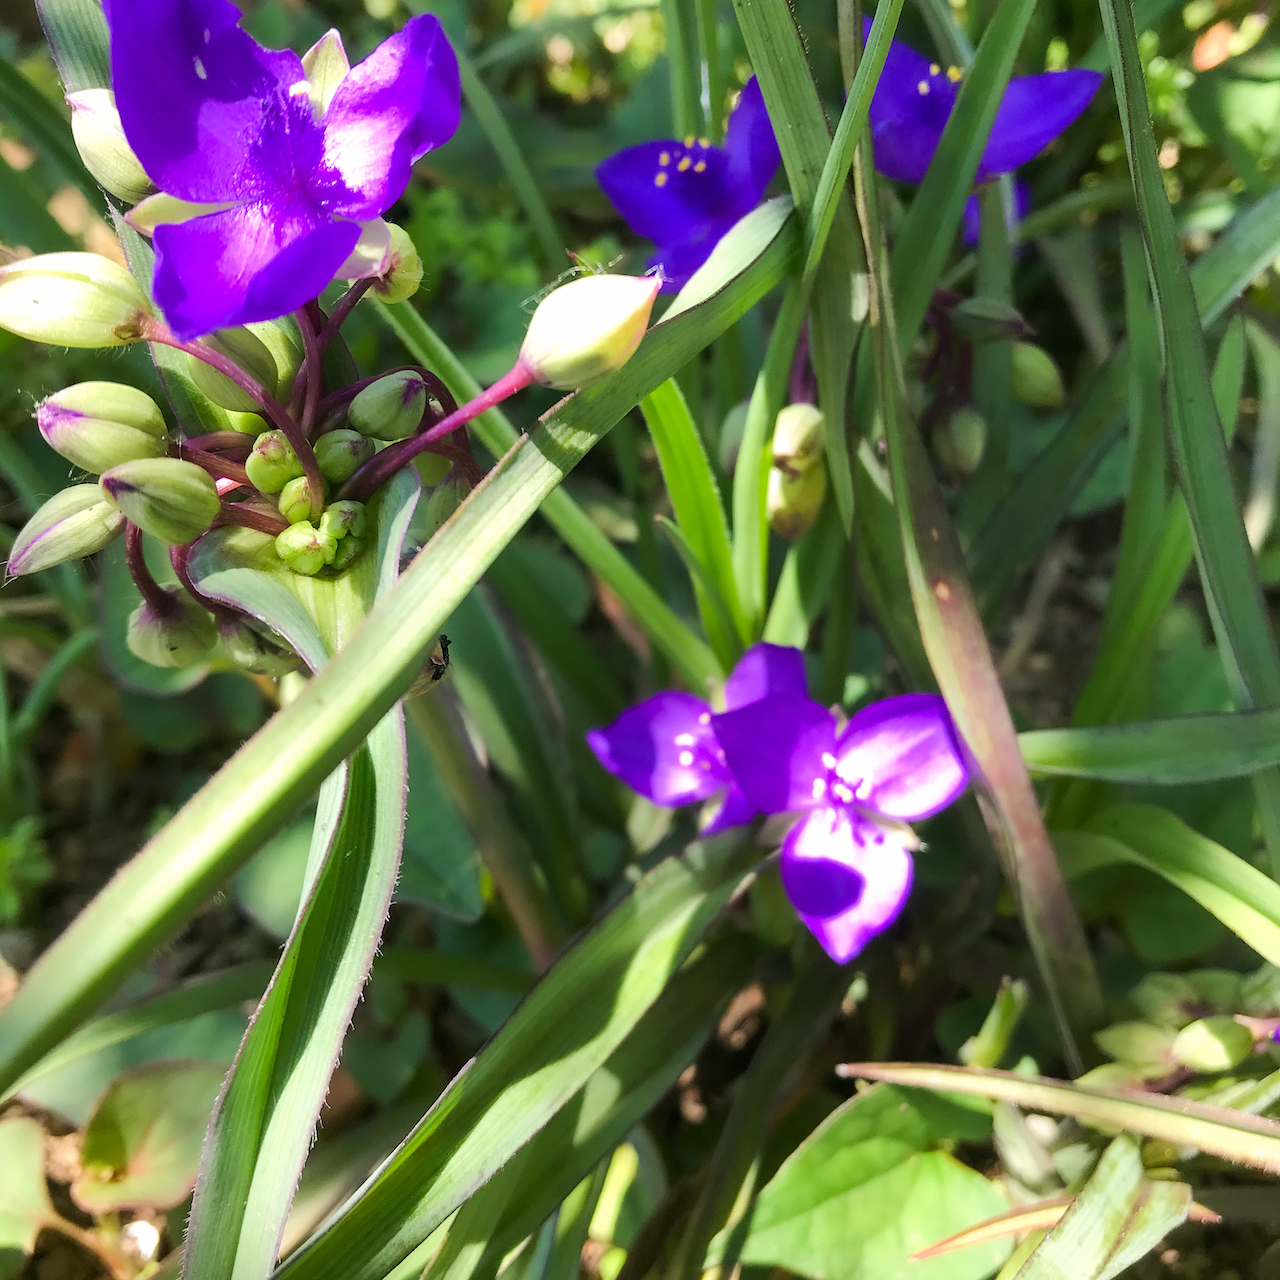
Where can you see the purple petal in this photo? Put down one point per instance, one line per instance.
(847, 879)
(245, 264)
(401, 101)
(678, 262)
(750, 144)
(909, 109)
(733, 811)
(765, 669)
(973, 212)
(664, 749)
(902, 757)
(670, 193)
(207, 110)
(1034, 111)
(779, 751)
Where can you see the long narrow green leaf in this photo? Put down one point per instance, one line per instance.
(251, 795)
(264, 1121)
(1244, 899)
(487, 111)
(1216, 1131)
(564, 1031)
(1228, 570)
(77, 33)
(695, 498)
(24, 219)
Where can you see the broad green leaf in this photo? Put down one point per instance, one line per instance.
(1216, 1131)
(1228, 570)
(1241, 896)
(255, 792)
(699, 512)
(264, 1122)
(869, 1188)
(1020, 529)
(142, 1144)
(24, 1197)
(563, 1032)
(1114, 1221)
(205, 994)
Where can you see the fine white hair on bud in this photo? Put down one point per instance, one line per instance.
(99, 137)
(587, 328)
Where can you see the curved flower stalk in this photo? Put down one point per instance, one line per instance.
(914, 99)
(685, 195)
(846, 863)
(282, 179)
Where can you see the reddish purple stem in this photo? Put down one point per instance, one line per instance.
(160, 602)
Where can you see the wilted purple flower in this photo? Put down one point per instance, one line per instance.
(218, 120)
(846, 865)
(666, 749)
(971, 225)
(914, 98)
(684, 196)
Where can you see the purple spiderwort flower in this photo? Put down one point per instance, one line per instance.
(684, 196)
(666, 749)
(913, 102)
(846, 865)
(220, 121)
(971, 225)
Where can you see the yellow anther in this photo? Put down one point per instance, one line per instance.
(685, 164)
(700, 167)
(934, 69)
(660, 180)
(923, 87)
(664, 158)
(955, 75)
(689, 140)
(704, 143)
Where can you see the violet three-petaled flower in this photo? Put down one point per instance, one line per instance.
(684, 196)
(914, 99)
(846, 865)
(665, 748)
(217, 120)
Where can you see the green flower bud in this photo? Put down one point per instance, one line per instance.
(272, 463)
(326, 66)
(1148, 1049)
(588, 328)
(1166, 998)
(341, 453)
(983, 319)
(171, 637)
(251, 354)
(797, 438)
(792, 503)
(253, 649)
(72, 300)
(1260, 992)
(959, 442)
(286, 354)
(1218, 988)
(172, 500)
(349, 551)
(295, 500)
(99, 137)
(343, 519)
(1036, 380)
(249, 424)
(305, 549)
(445, 499)
(432, 467)
(74, 523)
(391, 408)
(97, 425)
(403, 273)
(1213, 1044)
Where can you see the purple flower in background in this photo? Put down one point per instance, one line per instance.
(218, 120)
(684, 196)
(913, 102)
(666, 749)
(971, 226)
(846, 865)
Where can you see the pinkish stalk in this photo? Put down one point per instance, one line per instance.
(306, 394)
(236, 443)
(251, 517)
(154, 330)
(382, 466)
(161, 603)
(218, 467)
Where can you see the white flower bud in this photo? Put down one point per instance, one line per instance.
(99, 137)
(72, 300)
